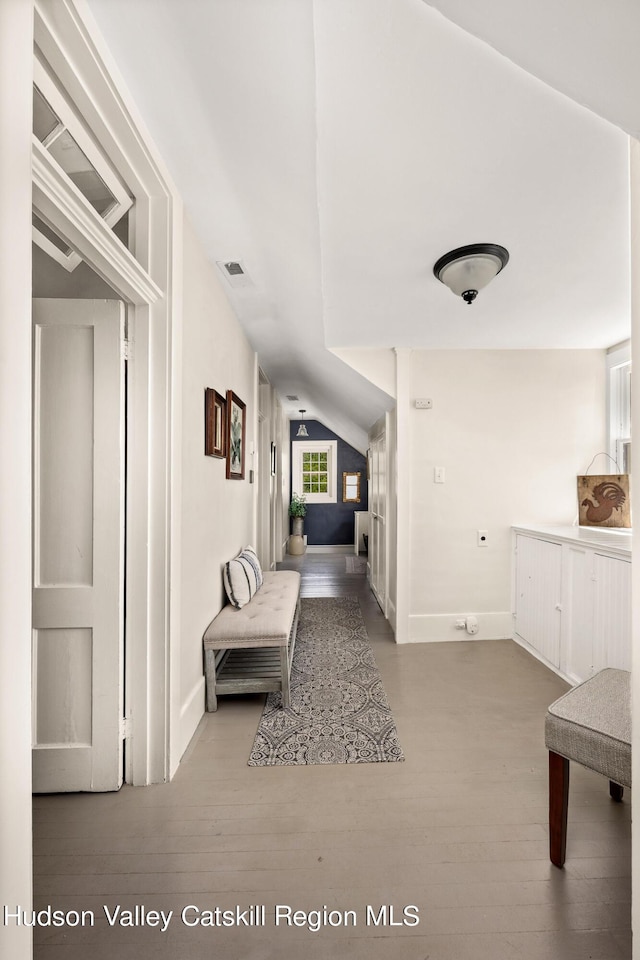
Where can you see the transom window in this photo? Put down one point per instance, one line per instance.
(63, 135)
(314, 469)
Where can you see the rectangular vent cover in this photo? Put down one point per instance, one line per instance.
(234, 273)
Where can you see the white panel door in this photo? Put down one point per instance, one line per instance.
(78, 620)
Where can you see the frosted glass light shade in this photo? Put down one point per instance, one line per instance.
(302, 430)
(468, 269)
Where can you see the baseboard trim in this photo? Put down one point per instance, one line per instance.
(441, 627)
(330, 548)
(191, 714)
(391, 615)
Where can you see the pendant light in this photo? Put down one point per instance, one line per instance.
(302, 430)
(466, 270)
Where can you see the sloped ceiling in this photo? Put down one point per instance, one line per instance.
(586, 49)
(338, 148)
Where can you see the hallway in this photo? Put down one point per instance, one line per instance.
(458, 829)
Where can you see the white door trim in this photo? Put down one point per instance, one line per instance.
(66, 34)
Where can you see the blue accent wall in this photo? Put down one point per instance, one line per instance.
(332, 523)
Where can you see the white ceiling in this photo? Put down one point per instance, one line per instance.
(338, 148)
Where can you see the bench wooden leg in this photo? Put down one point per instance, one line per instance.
(558, 805)
(284, 671)
(615, 791)
(210, 675)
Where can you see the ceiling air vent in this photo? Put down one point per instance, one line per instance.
(234, 273)
(233, 268)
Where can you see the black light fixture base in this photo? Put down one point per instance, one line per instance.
(469, 296)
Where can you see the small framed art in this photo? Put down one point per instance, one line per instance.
(236, 429)
(603, 501)
(215, 423)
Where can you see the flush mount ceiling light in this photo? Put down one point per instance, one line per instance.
(468, 269)
(302, 430)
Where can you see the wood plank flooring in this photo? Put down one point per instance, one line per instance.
(458, 830)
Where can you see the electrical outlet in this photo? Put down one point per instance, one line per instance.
(483, 538)
(423, 404)
(438, 474)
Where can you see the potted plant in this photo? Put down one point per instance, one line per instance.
(297, 511)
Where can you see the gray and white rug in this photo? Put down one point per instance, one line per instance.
(339, 711)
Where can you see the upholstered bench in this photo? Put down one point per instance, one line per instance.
(250, 649)
(590, 724)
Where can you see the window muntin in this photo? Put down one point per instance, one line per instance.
(315, 477)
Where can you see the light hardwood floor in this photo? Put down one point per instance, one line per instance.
(459, 829)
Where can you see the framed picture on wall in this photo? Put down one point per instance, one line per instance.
(236, 429)
(215, 423)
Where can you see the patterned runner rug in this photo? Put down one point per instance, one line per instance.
(339, 711)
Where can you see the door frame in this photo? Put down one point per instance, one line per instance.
(147, 277)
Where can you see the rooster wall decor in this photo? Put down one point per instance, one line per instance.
(604, 501)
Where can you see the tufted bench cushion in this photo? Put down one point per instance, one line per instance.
(258, 640)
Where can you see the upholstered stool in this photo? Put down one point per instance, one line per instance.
(590, 724)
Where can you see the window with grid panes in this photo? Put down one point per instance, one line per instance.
(314, 470)
(315, 478)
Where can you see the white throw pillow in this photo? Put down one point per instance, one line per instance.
(242, 577)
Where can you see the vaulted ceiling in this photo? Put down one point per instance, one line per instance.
(339, 147)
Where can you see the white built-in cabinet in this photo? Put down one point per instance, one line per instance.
(572, 598)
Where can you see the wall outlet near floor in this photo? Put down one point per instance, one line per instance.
(472, 625)
(461, 623)
(483, 538)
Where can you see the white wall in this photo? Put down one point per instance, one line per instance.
(217, 515)
(16, 44)
(512, 429)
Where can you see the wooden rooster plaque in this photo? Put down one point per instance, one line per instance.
(603, 501)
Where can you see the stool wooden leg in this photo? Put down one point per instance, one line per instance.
(558, 805)
(615, 791)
